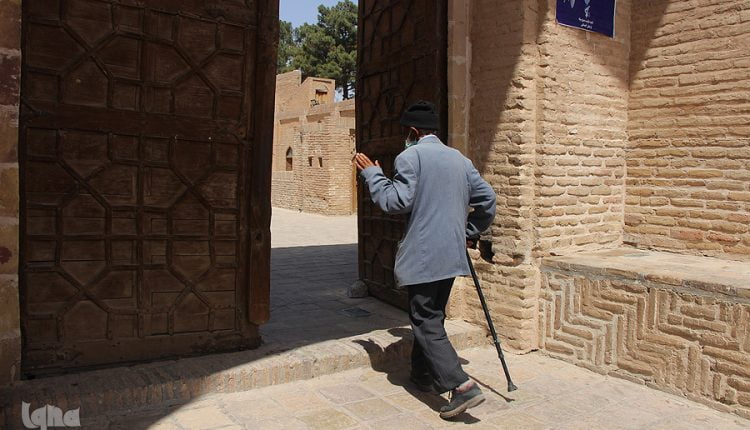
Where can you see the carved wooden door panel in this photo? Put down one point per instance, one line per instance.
(145, 147)
(402, 57)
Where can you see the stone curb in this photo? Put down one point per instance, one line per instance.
(154, 385)
(668, 276)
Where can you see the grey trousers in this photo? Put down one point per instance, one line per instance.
(432, 352)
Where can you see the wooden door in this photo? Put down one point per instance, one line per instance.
(402, 57)
(146, 135)
(355, 172)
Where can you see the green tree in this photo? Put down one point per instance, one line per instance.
(328, 49)
(287, 47)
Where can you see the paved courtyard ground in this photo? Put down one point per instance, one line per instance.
(551, 395)
(313, 262)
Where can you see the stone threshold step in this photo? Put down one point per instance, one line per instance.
(166, 383)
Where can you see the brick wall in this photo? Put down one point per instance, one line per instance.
(581, 111)
(548, 130)
(286, 185)
(287, 87)
(592, 143)
(459, 74)
(502, 140)
(673, 333)
(317, 135)
(10, 72)
(689, 124)
(294, 95)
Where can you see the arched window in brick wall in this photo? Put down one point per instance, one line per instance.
(289, 159)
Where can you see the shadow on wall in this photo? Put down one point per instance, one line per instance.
(504, 90)
(494, 60)
(526, 74)
(649, 16)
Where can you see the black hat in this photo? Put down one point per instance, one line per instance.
(421, 115)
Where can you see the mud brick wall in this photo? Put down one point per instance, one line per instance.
(287, 87)
(548, 130)
(689, 124)
(684, 341)
(294, 95)
(334, 147)
(322, 144)
(582, 93)
(285, 185)
(10, 74)
(502, 141)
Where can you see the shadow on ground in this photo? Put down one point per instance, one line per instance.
(309, 305)
(398, 373)
(309, 302)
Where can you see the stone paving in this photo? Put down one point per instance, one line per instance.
(552, 395)
(313, 262)
(295, 229)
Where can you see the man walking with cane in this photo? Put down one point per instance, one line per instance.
(437, 186)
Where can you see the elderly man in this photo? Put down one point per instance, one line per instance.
(438, 187)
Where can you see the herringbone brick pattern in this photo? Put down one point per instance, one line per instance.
(683, 342)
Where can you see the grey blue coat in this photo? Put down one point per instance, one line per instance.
(437, 185)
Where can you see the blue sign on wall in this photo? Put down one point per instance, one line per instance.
(591, 15)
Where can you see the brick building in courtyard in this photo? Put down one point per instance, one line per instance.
(313, 147)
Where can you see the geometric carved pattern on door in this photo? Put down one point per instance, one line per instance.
(115, 212)
(402, 56)
(134, 58)
(137, 135)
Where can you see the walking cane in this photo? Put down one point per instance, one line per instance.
(511, 385)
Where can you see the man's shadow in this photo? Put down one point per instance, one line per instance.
(398, 373)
